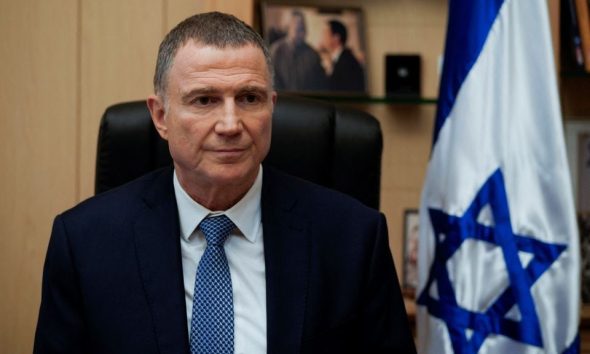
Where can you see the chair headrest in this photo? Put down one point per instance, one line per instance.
(329, 145)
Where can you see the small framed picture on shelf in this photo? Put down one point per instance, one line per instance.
(577, 134)
(316, 49)
(410, 248)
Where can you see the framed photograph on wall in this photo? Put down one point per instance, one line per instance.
(577, 137)
(316, 49)
(411, 239)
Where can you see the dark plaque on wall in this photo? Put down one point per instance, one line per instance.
(402, 76)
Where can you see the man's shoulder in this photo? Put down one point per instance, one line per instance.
(313, 197)
(122, 199)
(309, 51)
(347, 53)
(278, 46)
(348, 57)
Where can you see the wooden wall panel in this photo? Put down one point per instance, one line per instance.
(118, 54)
(407, 134)
(38, 134)
(178, 10)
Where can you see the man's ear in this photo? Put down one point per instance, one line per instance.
(157, 109)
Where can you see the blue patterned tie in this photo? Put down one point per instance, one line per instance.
(212, 324)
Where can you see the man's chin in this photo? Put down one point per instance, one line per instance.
(231, 175)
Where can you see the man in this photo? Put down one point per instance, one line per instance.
(297, 65)
(346, 73)
(218, 255)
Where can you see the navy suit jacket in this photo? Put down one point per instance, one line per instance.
(113, 280)
(348, 73)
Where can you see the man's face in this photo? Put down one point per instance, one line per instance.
(329, 41)
(217, 118)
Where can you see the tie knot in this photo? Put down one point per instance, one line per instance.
(216, 229)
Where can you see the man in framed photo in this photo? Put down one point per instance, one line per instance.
(345, 71)
(297, 65)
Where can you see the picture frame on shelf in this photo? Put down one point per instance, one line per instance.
(577, 138)
(317, 50)
(410, 252)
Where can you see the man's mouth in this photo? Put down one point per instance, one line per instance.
(229, 153)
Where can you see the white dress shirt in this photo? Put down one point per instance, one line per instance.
(336, 55)
(245, 254)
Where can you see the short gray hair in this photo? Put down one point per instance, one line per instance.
(212, 29)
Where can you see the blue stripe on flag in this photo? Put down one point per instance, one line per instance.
(468, 27)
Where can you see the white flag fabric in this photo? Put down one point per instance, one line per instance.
(499, 250)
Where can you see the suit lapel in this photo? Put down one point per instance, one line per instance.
(158, 254)
(287, 248)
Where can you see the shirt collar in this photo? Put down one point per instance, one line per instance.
(245, 214)
(337, 53)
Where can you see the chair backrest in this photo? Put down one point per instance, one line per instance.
(336, 147)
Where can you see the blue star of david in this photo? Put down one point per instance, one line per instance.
(450, 232)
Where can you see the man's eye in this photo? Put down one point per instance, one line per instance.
(203, 101)
(250, 98)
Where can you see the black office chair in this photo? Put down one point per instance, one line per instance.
(336, 147)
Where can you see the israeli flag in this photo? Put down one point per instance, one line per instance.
(499, 251)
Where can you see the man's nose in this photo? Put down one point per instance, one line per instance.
(229, 123)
